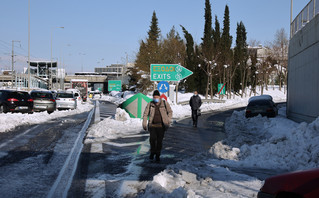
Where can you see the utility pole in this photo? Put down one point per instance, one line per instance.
(29, 73)
(12, 69)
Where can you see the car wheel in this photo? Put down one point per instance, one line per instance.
(49, 112)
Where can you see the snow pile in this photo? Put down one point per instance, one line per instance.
(114, 128)
(9, 121)
(199, 177)
(275, 143)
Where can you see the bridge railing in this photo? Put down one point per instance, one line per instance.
(308, 13)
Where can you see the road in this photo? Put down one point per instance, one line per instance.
(106, 167)
(49, 159)
(34, 157)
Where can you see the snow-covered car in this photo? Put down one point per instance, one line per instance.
(302, 184)
(262, 105)
(65, 101)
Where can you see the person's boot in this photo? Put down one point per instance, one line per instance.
(158, 158)
(152, 156)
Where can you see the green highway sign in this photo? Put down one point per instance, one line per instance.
(166, 72)
(135, 105)
(221, 89)
(114, 85)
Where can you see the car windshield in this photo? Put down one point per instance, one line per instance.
(41, 95)
(64, 95)
(257, 103)
(19, 95)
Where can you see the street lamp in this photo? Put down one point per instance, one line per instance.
(50, 82)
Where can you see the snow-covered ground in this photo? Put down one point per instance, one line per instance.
(181, 111)
(256, 142)
(9, 121)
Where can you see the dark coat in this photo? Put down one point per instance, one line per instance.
(195, 102)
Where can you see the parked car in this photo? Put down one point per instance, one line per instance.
(15, 101)
(262, 105)
(65, 101)
(43, 101)
(76, 93)
(302, 184)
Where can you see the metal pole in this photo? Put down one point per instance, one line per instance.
(177, 92)
(50, 71)
(12, 65)
(29, 73)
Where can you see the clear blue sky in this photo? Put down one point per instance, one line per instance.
(105, 29)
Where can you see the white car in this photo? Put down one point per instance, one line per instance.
(76, 93)
(65, 100)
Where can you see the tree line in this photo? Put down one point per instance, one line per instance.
(214, 61)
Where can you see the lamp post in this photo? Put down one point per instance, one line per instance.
(50, 82)
(29, 73)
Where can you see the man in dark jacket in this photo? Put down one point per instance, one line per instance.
(195, 103)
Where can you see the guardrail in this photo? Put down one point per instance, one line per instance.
(308, 13)
(204, 100)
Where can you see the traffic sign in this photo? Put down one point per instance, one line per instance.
(163, 86)
(221, 89)
(163, 96)
(114, 85)
(135, 105)
(166, 72)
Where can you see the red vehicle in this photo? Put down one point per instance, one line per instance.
(302, 184)
(82, 86)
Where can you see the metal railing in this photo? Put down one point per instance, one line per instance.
(308, 13)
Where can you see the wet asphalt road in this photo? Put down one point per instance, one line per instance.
(115, 164)
(32, 156)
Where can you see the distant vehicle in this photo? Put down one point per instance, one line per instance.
(43, 101)
(82, 86)
(65, 100)
(302, 184)
(15, 101)
(262, 105)
(77, 94)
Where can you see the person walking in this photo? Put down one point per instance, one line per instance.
(195, 102)
(160, 115)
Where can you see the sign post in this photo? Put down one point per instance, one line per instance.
(114, 85)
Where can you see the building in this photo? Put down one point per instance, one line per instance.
(303, 66)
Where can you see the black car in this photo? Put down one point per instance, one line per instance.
(262, 105)
(15, 101)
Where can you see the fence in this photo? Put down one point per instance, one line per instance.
(308, 13)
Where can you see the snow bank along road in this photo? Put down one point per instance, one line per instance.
(119, 166)
(39, 160)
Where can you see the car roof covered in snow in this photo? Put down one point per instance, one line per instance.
(262, 97)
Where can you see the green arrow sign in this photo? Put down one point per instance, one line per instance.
(165, 72)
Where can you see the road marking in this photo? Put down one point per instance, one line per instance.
(18, 136)
(139, 135)
(123, 144)
(95, 187)
(61, 186)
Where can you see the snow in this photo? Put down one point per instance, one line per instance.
(9, 121)
(182, 111)
(276, 143)
(111, 128)
(255, 142)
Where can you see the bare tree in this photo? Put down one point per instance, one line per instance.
(280, 50)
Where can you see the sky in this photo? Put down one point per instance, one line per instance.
(102, 32)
